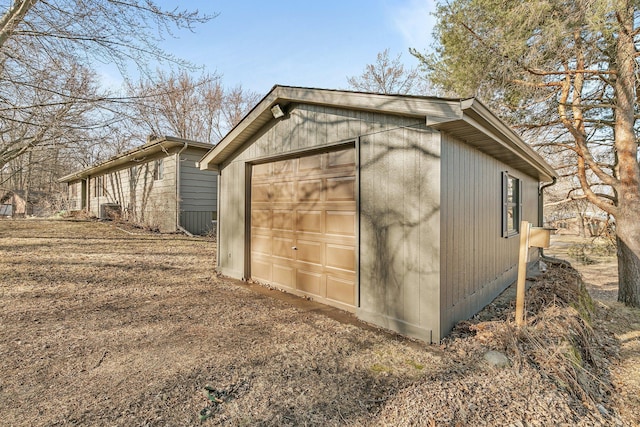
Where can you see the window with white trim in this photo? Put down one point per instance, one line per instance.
(99, 182)
(511, 204)
(158, 170)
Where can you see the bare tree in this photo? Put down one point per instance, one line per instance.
(176, 104)
(389, 76)
(110, 31)
(44, 109)
(47, 49)
(237, 102)
(196, 108)
(52, 112)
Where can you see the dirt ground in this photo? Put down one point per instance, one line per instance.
(108, 325)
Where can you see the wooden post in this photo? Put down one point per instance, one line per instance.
(522, 272)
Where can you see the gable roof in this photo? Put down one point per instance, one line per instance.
(466, 119)
(153, 146)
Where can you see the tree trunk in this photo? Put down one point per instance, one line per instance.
(628, 240)
(581, 227)
(628, 170)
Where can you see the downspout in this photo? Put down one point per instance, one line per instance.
(179, 227)
(218, 191)
(87, 195)
(541, 200)
(541, 215)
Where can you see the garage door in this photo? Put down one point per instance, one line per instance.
(303, 226)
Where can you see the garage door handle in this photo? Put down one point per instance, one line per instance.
(295, 248)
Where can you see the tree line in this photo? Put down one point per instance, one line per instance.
(54, 114)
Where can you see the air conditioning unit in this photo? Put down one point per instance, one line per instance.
(110, 210)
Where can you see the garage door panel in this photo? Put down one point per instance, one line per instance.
(310, 190)
(261, 269)
(341, 257)
(261, 193)
(283, 248)
(341, 158)
(283, 192)
(341, 223)
(308, 281)
(262, 170)
(309, 221)
(261, 218)
(283, 275)
(342, 188)
(284, 167)
(310, 164)
(282, 220)
(340, 289)
(261, 244)
(309, 251)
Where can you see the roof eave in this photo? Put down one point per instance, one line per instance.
(155, 145)
(435, 110)
(438, 113)
(508, 138)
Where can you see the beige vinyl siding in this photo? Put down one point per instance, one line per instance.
(198, 194)
(477, 263)
(143, 200)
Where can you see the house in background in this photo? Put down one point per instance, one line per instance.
(156, 185)
(404, 210)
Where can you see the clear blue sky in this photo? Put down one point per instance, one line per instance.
(259, 43)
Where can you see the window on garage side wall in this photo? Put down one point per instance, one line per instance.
(511, 204)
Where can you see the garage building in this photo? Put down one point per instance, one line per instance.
(402, 209)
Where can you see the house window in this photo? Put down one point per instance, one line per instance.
(99, 190)
(158, 170)
(511, 204)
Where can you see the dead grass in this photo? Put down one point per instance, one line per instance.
(104, 327)
(601, 280)
(559, 374)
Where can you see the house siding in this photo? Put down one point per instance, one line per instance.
(477, 263)
(143, 200)
(198, 195)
